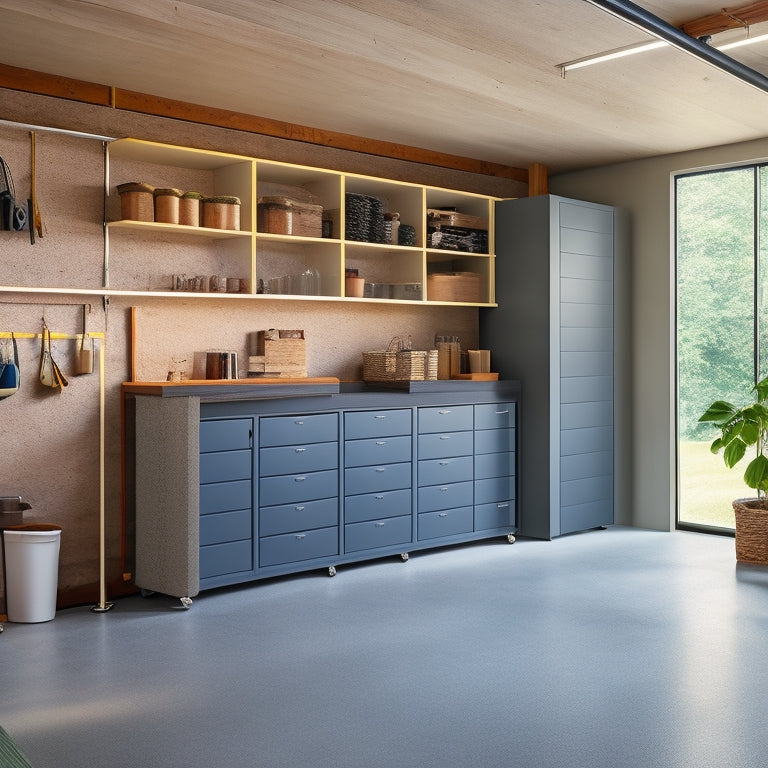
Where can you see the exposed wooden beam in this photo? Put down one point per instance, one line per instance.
(727, 18)
(92, 93)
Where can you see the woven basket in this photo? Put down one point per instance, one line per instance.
(751, 530)
(136, 201)
(397, 364)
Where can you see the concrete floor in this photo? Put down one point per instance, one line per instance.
(609, 649)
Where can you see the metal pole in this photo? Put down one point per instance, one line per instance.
(657, 27)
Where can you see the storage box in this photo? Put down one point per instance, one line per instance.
(284, 352)
(137, 201)
(284, 216)
(437, 217)
(457, 239)
(221, 212)
(455, 286)
(397, 364)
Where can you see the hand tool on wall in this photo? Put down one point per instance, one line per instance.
(50, 373)
(35, 219)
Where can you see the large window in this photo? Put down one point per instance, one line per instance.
(721, 230)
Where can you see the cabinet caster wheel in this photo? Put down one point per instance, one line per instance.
(404, 557)
(511, 538)
(186, 602)
(145, 593)
(332, 570)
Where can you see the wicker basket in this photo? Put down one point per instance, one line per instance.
(222, 212)
(454, 286)
(397, 364)
(751, 530)
(167, 205)
(136, 201)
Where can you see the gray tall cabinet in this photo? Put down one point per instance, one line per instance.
(553, 330)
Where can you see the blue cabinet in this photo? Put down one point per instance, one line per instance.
(378, 471)
(298, 488)
(556, 330)
(276, 488)
(226, 499)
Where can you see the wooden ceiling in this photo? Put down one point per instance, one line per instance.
(477, 80)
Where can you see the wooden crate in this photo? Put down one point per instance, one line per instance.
(284, 352)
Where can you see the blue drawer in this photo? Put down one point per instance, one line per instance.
(372, 506)
(223, 497)
(295, 547)
(224, 466)
(377, 533)
(494, 465)
(495, 416)
(298, 517)
(384, 477)
(225, 435)
(445, 496)
(225, 526)
(298, 458)
(448, 419)
(452, 470)
(359, 424)
(449, 522)
(380, 450)
(223, 559)
(445, 445)
(298, 430)
(494, 489)
(284, 489)
(495, 440)
(498, 515)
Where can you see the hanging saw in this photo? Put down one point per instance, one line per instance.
(35, 219)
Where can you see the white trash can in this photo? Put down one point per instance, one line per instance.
(31, 571)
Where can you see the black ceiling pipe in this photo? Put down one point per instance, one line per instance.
(657, 27)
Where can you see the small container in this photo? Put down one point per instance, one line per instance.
(354, 286)
(284, 216)
(189, 209)
(83, 353)
(221, 365)
(222, 212)
(137, 201)
(167, 205)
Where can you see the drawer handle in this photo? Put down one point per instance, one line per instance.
(443, 514)
(381, 442)
(444, 463)
(299, 479)
(444, 412)
(443, 487)
(299, 508)
(445, 437)
(299, 423)
(379, 497)
(300, 450)
(300, 536)
(501, 413)
(381, 469)
(502, 506)
(379, 525)
(380, 416)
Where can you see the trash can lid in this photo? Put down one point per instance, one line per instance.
(34, 527)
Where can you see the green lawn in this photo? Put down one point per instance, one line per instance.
(707, 486)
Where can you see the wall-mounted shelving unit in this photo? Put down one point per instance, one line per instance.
(141, 258)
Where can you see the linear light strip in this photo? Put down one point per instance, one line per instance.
(648, 22)
(630, 50)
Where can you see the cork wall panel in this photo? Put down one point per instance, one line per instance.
(53, 458)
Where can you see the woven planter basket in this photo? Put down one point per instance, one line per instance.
(751, 530)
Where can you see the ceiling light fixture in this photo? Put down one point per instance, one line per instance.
(630, 50)
(666, 33)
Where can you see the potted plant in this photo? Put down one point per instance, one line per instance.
(742, 428)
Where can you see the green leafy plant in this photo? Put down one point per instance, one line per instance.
(742, 428)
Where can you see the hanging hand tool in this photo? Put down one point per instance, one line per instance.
(35, 220)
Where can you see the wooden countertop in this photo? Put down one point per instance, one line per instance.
(235, 389)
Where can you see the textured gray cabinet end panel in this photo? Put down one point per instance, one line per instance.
(167, 497)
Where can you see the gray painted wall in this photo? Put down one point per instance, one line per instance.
(644, 188)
